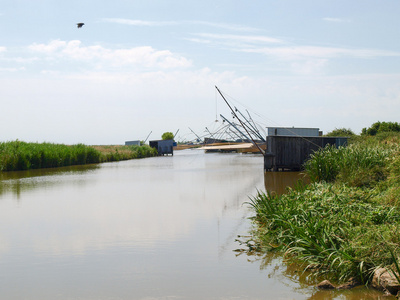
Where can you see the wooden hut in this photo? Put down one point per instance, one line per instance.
(164, 147)
(289, 153)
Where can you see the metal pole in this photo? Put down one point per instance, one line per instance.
(252, 129)
(147, 137)
(233, 125)
(176, 133)
(261, 150)
(195, 134)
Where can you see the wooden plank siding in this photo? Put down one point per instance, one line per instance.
(288, 153)
(164, 147)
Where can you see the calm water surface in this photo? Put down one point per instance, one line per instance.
(156, 228)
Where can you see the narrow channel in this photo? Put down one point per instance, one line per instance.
(155, 228)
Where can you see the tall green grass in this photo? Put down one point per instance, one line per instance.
(358, 164)
(117, 153)
(325, 228)
(338, 226)
(18, 155)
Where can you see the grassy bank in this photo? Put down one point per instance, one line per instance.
(345, 223)
(18, 155)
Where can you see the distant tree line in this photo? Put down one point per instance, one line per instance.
(341, 132)
(379, 127)
(376, 128)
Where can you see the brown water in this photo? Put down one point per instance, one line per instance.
(156, 228)
(279, 182)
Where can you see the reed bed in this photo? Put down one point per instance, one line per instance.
(342, 224)
(357, 165)
(117, 153)
(18, 155)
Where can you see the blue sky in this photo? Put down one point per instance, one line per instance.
(151, 66)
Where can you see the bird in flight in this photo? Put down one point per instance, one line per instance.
(79, 25)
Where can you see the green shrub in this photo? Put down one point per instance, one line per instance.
(341, 132)
(167, 136)
(379, 127)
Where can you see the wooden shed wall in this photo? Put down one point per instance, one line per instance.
(290, 153)
(164, 147)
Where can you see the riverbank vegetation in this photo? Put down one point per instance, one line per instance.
(346, 222)
(18, 155)
(117, 153)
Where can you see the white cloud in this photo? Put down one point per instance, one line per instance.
(309, 67)
(233, 41)
(233, 27)
(336, 20)
(298, 52)
(12, 69)
(307, 60)
(144, 56)
(51, 47)
(253, 44)
(137, 22)
(252, 39)
(200, 41)
(7, 58)
(175, 23)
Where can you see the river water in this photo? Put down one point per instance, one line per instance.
(155, 228)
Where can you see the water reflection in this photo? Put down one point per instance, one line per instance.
(358, 293)
(17, 182)
(292, 278)
(279, 182)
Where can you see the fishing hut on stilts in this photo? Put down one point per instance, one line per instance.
(290, 152)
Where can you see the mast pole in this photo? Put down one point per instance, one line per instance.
(262, 151)
(252, 128)
(233, 125)
(199, 139)
(147, 137)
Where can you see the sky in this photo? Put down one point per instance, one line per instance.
(137, 69)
